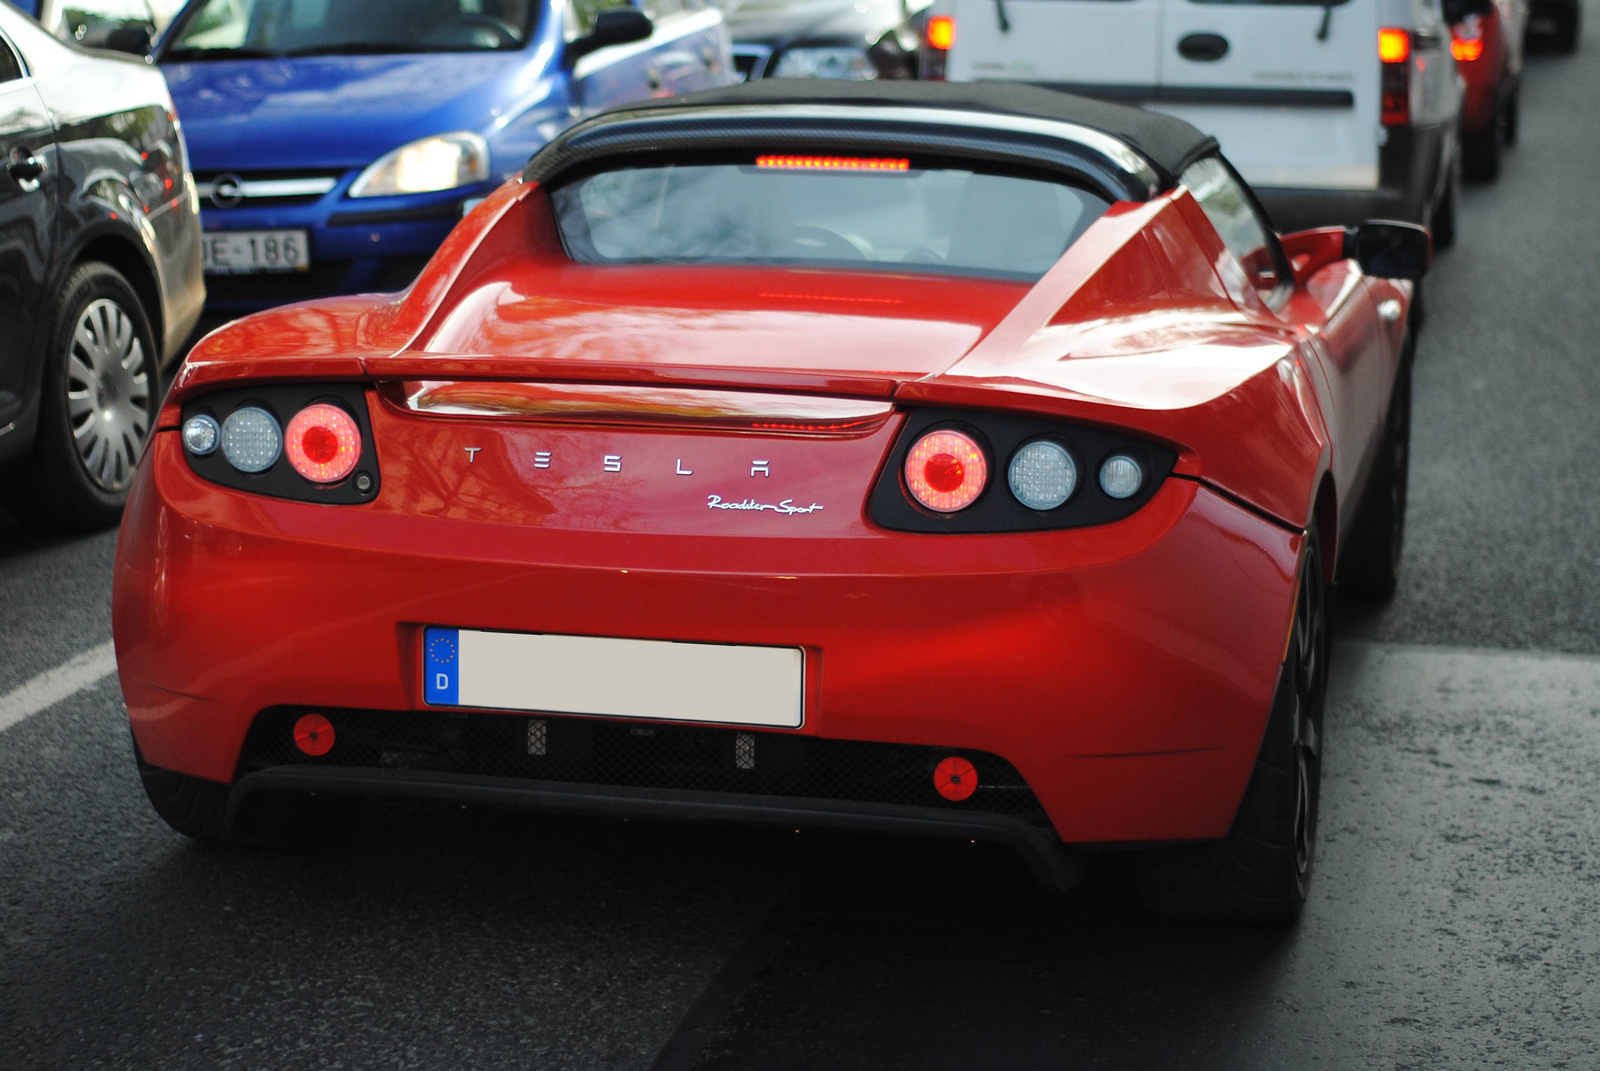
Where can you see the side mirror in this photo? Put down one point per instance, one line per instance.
(1389, 250)
(134, 40)
(1457, 10)
(613, 26)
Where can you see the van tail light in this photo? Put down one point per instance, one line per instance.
(1466, 40)
(939, 36)
(1394, 50)
(323, 443)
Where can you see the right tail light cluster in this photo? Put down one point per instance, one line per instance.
(1394, 58)
(322, 452)
(945, 474)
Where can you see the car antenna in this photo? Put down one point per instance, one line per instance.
(1000, 9)
(1327, 20)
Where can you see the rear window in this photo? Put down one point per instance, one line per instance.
(865, 213)
(231, 29)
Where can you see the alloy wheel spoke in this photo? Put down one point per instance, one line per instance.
(79, 406)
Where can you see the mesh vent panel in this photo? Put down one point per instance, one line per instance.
(585, 751)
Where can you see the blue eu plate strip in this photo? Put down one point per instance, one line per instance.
(441, 655)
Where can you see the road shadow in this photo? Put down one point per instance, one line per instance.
(932, 956)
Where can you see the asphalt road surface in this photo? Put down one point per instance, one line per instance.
(1455, 920)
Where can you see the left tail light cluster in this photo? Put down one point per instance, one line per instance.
(1394, 62)
(306, 442)
(998, 472)
(938, 37)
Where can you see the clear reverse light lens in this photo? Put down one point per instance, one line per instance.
(1042, 475)
(251, 439)
(442, 162)
(1121, 476)
(200, 435)
(848, 64)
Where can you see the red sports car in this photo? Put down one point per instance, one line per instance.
(963, 460)
(1487, 46)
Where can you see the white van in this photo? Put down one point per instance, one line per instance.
(1334, 112)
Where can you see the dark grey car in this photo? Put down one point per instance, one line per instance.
(100, 281)
(852, 40)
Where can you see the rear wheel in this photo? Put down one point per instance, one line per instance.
(1481, 154)
(1569, 23)
(1369, 562)
(198, 809)
(1261, 871)
(1442, 224)
(101, 391)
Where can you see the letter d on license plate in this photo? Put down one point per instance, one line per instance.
(614, 678)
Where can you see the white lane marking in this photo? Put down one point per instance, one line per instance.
(54, 685)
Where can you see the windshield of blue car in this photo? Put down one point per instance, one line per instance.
(235, 29)
(854, 212)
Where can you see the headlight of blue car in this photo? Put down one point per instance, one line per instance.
(441, 162)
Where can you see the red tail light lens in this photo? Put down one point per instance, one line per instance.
(946, 471)
(323, 443)
(1394, 49)
(1466, 40)
(1394, 46)
(941, 32)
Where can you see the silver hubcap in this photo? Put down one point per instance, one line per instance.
(108, 394)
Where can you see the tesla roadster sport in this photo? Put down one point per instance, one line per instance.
(953, 460)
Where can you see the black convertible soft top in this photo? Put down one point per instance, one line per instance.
(1171, 144)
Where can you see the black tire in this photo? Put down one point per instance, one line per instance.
(56, 488)
(1369, 562)
(1569, 25)
(1442, 224)
(1482, 154)
(1261, 871)
(193, 806)
(198, 809)
(1513, 123)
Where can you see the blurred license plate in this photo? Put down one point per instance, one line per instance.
(231, 252)
(704, 682)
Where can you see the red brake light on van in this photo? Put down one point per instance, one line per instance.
(1394, 46)
(1394, 49)
(941, 32)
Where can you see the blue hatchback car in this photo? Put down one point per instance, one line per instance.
(336, 142)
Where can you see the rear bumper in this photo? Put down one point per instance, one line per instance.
(1057, 868)
(1125, 671)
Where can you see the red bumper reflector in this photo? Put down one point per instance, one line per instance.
(955, 779)
(313, 734)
